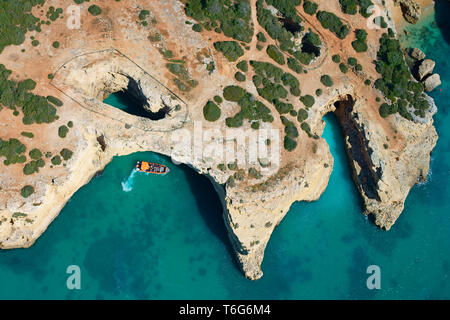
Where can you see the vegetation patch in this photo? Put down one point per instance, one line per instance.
(274, 27)
(35, 109)
(396, 83)
(230, 49)
(63, 131)
(310, 7)
(251, 109)
(332, 22)
(27, 191)
(360, 44)
(211, 111)
(13, 27)
(232, 17)
(35, 154)
(27, 134)
(66, 154)
(33, 166)
(95, 10)
(308, 100)
(275, 54)
(13, 151)
(326, 81)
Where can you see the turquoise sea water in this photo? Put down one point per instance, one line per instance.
(140, 236)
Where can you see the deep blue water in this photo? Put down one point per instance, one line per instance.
(165, 239)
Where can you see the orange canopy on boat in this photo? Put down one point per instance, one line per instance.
(145, 166)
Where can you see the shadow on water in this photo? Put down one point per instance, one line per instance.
(132, 101)
(442, 8)
(209, 206)
(125, 102)
(339, 141)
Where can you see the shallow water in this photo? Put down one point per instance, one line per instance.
(146, 236)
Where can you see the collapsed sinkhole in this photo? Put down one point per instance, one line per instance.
(309, 48)
(290, 25)
(133, 101)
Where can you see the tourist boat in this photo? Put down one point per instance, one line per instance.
(149, 167)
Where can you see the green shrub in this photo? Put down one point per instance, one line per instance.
(63, 131)
(308, 100)
(336, 58)
(239, 76)
(197, 27)
(349, 6)
(55, 44)
(35, 154)
(359, 46)
(27, 191)
(331, 22)
(143, 14)
(273, 25)
(233, 93)
(15, 20)
(343, 67)
(27, 134)
(352, 61)
(310, 7)
(294, 65)
(230, 49)
(261, 37)
(211, 111)
(326, 81)
(242, 65)
(218, 99)
(33, 166)
(289, 143)
(56, 160)
(13, 151)
(66, 154)
(94, 10)
(319, 92)
(275, 54)
(302, 115)
(234, 18)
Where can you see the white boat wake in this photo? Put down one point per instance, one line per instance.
(127, 185)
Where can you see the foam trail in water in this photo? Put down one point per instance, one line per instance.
(127, 185)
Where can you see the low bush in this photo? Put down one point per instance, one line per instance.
(13, 151)
(310, 7)
(230, 49)
(211, 111)
(63, 131)
(308, 100)
(331, 22)
(66, 154)
(275, 54)
(27, 191)
(326, 81)
(94, 10)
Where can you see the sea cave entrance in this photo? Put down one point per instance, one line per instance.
(133, 101)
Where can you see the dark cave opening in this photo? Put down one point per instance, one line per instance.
(309, 48)
(133, 101)
(290, 25)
